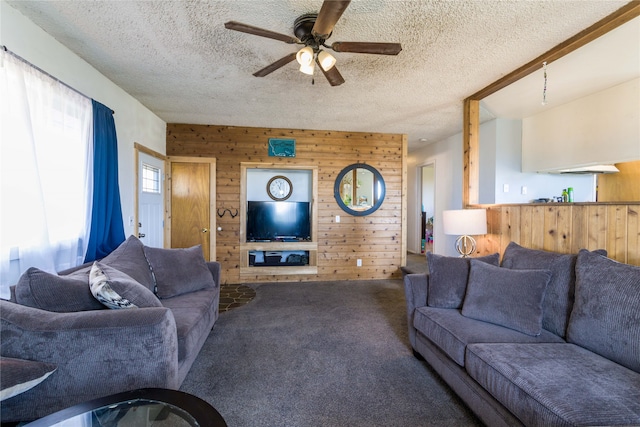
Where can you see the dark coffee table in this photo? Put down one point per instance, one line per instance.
(143, 407)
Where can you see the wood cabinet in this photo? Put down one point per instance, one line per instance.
(623, 186)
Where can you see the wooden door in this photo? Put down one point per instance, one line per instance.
(192, 204)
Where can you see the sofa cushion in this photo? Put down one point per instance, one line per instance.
(63, 294)
(452, 332)
(178, 271)
(556, 384)
(193, 313)
(448, 278)
(559, 296)
(130, 259)
(606, 314)
(18, 376)
(510, 298)
(117, 290)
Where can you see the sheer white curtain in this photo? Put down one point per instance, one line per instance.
(46, 172)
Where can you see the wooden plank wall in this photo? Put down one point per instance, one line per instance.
(565, 228)
(377, 239)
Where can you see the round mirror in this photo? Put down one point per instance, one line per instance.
(359, 189)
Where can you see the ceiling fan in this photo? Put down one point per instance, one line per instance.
(312, 30)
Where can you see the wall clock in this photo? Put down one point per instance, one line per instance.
(279, 188)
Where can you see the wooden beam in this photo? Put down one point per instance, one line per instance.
(403, 252)
(619, 17)
(471, 153)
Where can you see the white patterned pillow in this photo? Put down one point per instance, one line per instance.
(102, 290)
(19, 375)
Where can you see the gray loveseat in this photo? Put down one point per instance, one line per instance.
(95, 351)
(547, 339)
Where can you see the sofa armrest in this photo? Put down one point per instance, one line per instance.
(98, 353)
(215, 268)
(415, 292)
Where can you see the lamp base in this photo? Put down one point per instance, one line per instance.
(465, 245)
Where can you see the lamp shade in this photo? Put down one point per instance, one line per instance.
(465, 222)
(305, 56)
(308, 69)
(326, 60)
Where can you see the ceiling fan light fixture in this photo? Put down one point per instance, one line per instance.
(326, 60)
(308, 69)
(305, 56)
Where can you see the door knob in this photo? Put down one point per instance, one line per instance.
(204, 230)
(141, 235)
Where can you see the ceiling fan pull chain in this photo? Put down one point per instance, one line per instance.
(544, 89)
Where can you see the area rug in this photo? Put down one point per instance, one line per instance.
(234, 296)
(321, 354)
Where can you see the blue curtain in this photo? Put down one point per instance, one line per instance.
(107, 227)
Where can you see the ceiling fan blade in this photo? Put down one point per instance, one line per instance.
(333, 75)
(272, 67)
(329, 14)
(256, 31)
(366, 47)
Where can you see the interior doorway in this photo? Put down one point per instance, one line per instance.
(427, 202)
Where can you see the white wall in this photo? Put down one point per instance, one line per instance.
(134, 122)
(447, 157)
(500, 165)
(428, 189)
(301, 180)
(599, 128)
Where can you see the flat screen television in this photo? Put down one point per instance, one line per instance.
(278, 221)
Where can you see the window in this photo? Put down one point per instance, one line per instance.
(150, 179)
(45, 173)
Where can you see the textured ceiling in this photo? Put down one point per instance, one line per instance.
(177, 58)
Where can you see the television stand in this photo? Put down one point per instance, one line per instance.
(254, 263)
(278, 258)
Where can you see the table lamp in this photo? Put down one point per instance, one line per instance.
(464, 223)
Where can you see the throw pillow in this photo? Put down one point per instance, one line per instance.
(606, 314)
(115, 289)
(62, 294)
(20, 375)
(130, 259)
(448, 278)
(509, 298)
(559, 297)
(178, 271)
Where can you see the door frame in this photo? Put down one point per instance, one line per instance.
(428, 163)
(212, 199)
(137, 149)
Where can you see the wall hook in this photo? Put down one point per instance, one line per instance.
(223, 211)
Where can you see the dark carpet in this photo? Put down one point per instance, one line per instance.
(321, 354)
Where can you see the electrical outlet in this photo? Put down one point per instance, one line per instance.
(337, 218)
(524, 189)
(130, 221)
(505, 188)
(359, 263)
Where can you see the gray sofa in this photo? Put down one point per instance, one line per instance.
(546, 339)
(94, 351)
